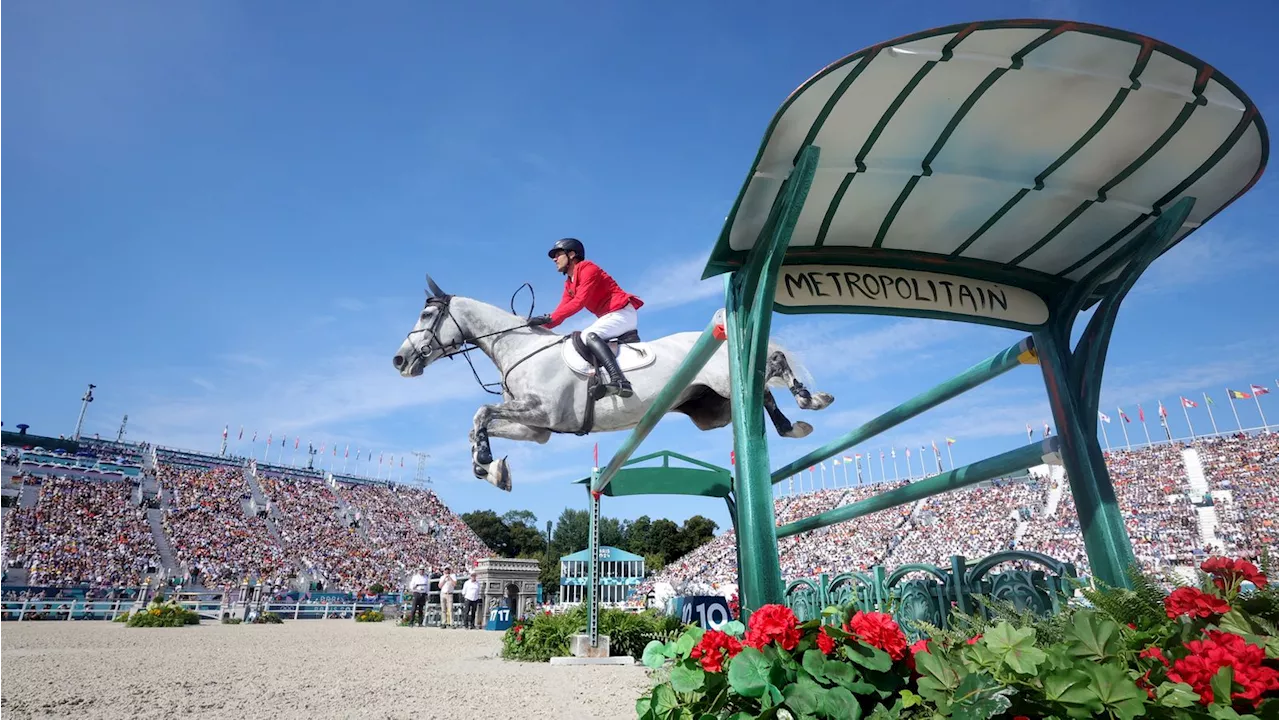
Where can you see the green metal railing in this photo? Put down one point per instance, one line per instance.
(912, 599)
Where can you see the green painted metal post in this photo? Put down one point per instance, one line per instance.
(981, 471)
(701, 353)
(993, 367)
(749, 297)
(593, 566)
(1105, 539)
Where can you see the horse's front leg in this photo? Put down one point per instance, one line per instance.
(516, 420)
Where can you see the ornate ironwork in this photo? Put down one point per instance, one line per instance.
(1043, 589)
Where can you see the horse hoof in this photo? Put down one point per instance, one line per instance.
(816, 401)
(499, 474)
(799, 429)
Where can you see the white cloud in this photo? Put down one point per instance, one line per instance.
(676, 283)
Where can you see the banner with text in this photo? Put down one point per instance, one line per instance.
(872, 287)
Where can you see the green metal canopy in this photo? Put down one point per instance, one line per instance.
(982, 171)
(705, 479)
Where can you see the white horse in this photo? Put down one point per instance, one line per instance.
(547, 387)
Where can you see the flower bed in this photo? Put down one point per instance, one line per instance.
(1207, 652)
(161, 614)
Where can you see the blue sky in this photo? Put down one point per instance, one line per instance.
(221, 213)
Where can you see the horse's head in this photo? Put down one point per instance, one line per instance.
(435, 334)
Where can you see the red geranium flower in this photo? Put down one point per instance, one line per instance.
(773, 623)
(1156, 654)
(1230, 572)
(1219, 650)
(1193, 603)
(878, 630)
(826, 643)
(974, 640)
(714, 649)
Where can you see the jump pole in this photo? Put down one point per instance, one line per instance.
(1022, 353)
(981, 471)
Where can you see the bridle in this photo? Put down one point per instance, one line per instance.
(465, 344)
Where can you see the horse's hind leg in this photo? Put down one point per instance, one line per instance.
(785, 427)
(779, 368)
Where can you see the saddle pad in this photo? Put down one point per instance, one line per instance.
(630, 357)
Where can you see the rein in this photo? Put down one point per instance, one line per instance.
(467, 344)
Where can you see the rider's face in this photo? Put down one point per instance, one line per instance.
(562, 261)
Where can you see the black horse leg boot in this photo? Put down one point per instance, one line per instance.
(616, 384)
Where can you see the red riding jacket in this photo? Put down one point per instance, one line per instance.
(592, 288)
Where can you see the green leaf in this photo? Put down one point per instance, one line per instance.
(775, 695)
(1015, 647)
(840, 703)
(1093, 636)
(910, 699)
(642, 708)
(1272, 645)
(1176, 695)
(690, 638)
(1116, 690)
(741, 716)
(1221, 684)
(815, 663)
(749, 672)
(830, 610)
(838, 671)
(655, 654)
(1071, 688)
(980, 697)
(882, 712)
(868, 657)
(686, 679)
(802, 698)
(664, 700)
(734, 628)
(938, 678)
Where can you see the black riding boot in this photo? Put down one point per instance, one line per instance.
(615, 384)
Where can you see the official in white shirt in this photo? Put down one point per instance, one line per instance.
(448, 583)
(419, 584)
(471, 593)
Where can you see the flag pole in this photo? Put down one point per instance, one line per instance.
(924, 472)
(1235, 412)
(1164, 421)
(1105, 437)
(1259, 404)
(1142, 418)
(1208, 405)
(846, 474)
(1124, 429)
(883, 475)
(949, 458)
(894, 453)
(1187, 415)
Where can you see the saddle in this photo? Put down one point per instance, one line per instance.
(630, 352)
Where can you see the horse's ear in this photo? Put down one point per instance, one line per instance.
(435, 289)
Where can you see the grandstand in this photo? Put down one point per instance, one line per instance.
(210, 522)
(213, 522)
(1181, 501)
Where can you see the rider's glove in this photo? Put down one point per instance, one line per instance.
(539, 320)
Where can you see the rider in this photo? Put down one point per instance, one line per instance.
(588, 286)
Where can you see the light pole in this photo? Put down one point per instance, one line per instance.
(84, 405)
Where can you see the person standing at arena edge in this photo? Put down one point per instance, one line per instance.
(471, 593)
(419, 585)
(588, 286)
(448, 583)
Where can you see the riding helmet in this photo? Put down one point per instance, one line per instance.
(567, 244)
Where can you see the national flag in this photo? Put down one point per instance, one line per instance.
(732, 457)
(1237, 395)
(225, 428)
(1141, 416)
(849, 459)
(1259, 390)
(1187, 403)
(284, 440)
(934, 443)
(1208, 399)
(241, 436)
(402, 460)
(335, 451)
(345, 453)
(1123, 416)
(1103, 417)
(835, 461)
(255, 437)
(295, 443)
(908, 452)
(881, 454)
(1047, 430)
(893, 453)
(856, 455)
(379, 458)
(811, 467)
(1163, 413)
(269, 436)
(951, 441)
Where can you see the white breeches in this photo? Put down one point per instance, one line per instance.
(611, 325)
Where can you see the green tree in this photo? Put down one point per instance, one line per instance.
(610, 532)
(527, 541)
(511, 517)
(490, 529)
(697, 531)
(549, 574)
(571, 533)
(637, 536)
(665, 540)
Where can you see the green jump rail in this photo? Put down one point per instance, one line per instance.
(1023, 353)
(981, 471)
(706, 346)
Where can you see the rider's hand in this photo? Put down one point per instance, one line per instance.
(539, 320)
